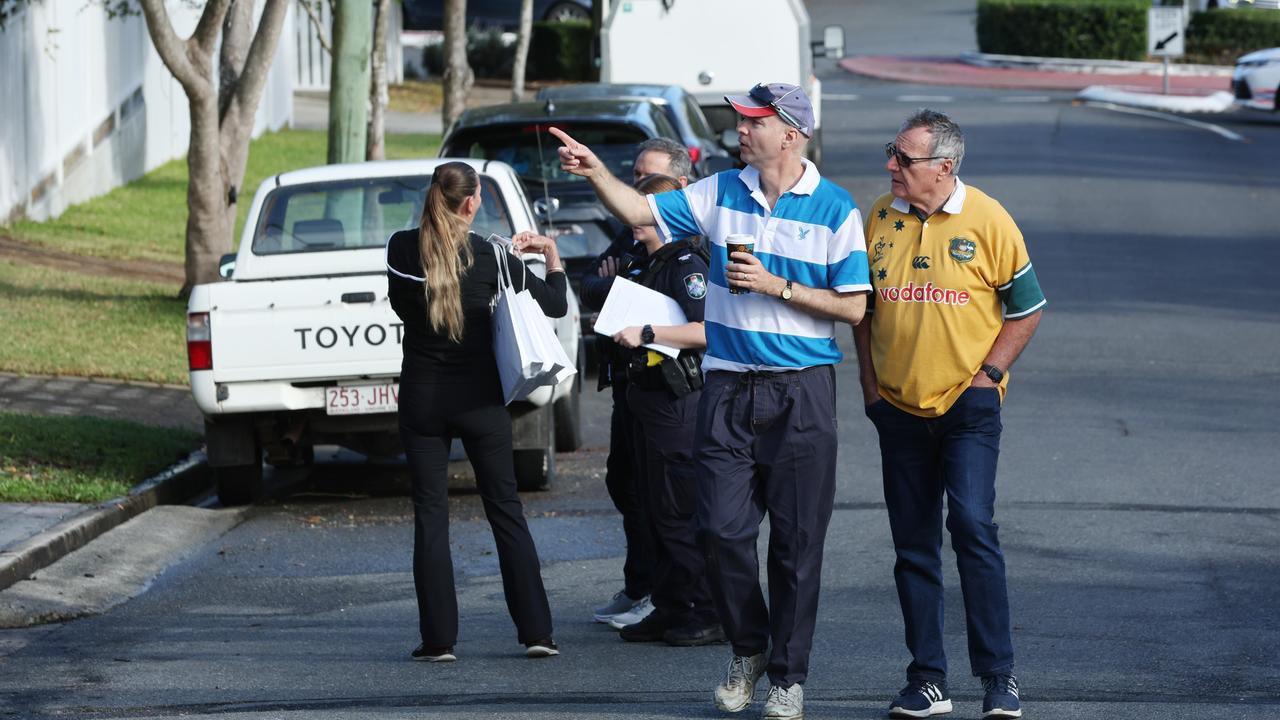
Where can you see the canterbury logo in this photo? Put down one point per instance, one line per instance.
(926, 293)
(921, 262)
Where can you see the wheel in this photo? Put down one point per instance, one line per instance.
(1277, 107)
(568, 411)
(536, 467)
(238, 484)
(567, 11)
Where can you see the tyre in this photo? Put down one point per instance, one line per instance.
(238, 484)
(568, 411)
(536, 467)
(567, 11)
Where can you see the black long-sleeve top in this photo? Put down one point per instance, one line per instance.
(430, 356)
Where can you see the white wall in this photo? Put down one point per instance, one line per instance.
(86, 104)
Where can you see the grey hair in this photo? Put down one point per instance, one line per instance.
(679, 160)
(947, 140)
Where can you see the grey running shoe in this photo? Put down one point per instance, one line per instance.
(541, 649)
(634, 615)
(784, 703)
(621, 602)
(739, 687)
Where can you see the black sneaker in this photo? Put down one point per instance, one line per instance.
(695, 634)
(433, 654)
(1001, 700)
(541, 649)
(650, 629)
(921, 698)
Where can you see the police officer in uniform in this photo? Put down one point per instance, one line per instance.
(663, 398)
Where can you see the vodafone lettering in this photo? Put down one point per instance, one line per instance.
(926, 293)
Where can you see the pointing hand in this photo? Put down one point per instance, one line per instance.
(575, 157)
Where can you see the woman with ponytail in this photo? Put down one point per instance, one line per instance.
(442, 280)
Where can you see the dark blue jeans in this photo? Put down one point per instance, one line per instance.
(924, 459)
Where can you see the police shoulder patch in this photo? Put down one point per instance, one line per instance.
(696, 285)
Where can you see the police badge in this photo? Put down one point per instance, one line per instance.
(696, 285)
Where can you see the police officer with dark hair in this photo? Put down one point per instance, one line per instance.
(658, 156)
(663, 399)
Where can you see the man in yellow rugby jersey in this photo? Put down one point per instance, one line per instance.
(955, 301)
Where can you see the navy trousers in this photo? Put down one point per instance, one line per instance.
(666, 478)
(766, 443)
(924, 460)
(620, 480)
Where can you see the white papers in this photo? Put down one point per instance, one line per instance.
(633, 305)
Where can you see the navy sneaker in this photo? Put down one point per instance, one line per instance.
(1001, 700)
(921, 698)
(433, 654)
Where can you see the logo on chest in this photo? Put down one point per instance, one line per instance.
(962, 250)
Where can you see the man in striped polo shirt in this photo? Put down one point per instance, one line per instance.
(955, 302)
(766, 430)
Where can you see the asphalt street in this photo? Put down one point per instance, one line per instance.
(1138, 521)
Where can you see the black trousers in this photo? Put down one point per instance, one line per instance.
(431, 415)
(767, 444)
(620, 480)
(668, 481)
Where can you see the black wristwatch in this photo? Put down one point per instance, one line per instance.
(646, 335)
(786, 292)
(993, 372)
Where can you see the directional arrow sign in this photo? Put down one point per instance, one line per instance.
(1164, 32)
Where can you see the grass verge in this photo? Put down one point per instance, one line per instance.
(60, 323)
(82, 459)
(146, 219)
(416, 96)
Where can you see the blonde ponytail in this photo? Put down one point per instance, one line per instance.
(444, 247)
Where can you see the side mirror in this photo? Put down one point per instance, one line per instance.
(729, 139)
(832, 45)
(543, 210)
(226, 266)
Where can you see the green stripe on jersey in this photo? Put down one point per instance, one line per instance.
(1022, 296)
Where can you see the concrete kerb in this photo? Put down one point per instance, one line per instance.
(172, 486)
(1092, 66)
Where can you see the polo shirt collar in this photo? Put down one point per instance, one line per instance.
(807, 183)
(953, 205)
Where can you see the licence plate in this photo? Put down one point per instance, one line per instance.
(361, 399)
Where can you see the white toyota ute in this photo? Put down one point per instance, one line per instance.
(298, 345)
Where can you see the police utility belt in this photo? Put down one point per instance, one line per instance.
(682, 375)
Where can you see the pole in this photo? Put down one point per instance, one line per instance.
(1166, 74)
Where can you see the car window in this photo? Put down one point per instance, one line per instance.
(354, 214)
(532, 151)
(697, 120)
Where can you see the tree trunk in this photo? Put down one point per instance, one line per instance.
(522, 51)
(378, 96)
(458, 77)
(221, 117)
(349, 80)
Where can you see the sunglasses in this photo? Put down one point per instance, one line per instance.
(905, 160)
(761, 94)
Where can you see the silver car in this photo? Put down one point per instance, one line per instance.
(1256, 80)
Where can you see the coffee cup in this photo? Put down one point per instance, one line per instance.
(743, 244)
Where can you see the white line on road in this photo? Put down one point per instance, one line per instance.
(1215, 129)
(1025, 99)
(839, 97)
(925, 98)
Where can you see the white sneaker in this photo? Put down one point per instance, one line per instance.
(618, 604)
(784, 703)
(739, 687)
(634, 615)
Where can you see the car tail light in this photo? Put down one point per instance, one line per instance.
(199, 342)
(695, 153)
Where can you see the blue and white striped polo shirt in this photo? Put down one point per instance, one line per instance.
(813, 236)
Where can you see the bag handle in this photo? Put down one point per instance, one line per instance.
(504, 267)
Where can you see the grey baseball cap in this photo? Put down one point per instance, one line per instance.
(786, 101)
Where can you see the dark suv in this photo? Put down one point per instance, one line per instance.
(681, 109)
(566, 204)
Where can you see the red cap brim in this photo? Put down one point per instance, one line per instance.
(752, 110)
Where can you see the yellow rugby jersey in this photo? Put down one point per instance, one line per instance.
(942, 289)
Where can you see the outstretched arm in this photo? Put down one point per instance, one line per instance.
(620, 198)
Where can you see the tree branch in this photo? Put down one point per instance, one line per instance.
(207, 30)
(314, 17)
(169, 46)
(258, 63)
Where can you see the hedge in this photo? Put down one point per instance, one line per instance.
(1221, 36)
(560, 51)
(1115, 29)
